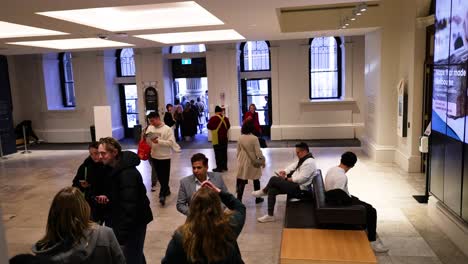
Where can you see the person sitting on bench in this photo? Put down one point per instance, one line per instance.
(336, 179)
(293, 180)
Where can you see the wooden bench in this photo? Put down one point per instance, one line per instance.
(300, 246)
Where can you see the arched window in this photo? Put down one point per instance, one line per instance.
(255, 56)
(125, 62)
(325, 68)
(66, 79)
(188, 48)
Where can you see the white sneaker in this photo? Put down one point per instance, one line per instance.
(266, 218)
(258, 193)
(378, 246)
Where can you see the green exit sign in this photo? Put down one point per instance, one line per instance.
(186, 61)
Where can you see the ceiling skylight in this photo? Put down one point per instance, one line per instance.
(10, 30)
(195, 36)
(70, 44)
(138, 17)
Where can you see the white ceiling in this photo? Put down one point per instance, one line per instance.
(253, 19)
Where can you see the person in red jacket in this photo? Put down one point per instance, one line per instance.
(219, 126)
(253, 115)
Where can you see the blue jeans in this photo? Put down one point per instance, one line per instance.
(133, 248)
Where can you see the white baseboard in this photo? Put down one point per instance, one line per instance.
(329, 131)
(378, 153)
(408, 163)
(65, 135)
(79, 135)
(451, 225)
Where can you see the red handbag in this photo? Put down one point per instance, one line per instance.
(144, 150)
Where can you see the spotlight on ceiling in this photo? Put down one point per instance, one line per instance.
(362, 7)
(353, 18)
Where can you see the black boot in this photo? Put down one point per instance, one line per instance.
(240, 186)
(256, 184)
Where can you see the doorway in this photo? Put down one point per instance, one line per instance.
(129, 108)
(258, 92)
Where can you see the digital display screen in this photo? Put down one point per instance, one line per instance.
(449, 100)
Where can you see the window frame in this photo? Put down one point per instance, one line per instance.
(339, 57)
(242, 45)
(64, 82)
(171, 47)
(118, 64)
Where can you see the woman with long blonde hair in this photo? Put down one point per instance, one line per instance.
(71, 237)
(209, 234)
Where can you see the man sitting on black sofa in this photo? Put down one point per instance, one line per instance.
(294, 179)
(336, 179)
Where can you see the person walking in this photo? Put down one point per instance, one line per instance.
(162, 142)
(250, 161)
(219, 125)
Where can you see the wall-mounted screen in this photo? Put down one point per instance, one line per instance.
(439, 99)
(442, 35)
(459, 32)
(449, 104)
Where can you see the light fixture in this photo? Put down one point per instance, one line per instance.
(71, 44)
(194, 36)
(362, 7)
(139, 17)
(353, 18)
(357, 12)
(11, 30)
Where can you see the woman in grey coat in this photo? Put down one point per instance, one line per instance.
(72, 238)
(250, 160)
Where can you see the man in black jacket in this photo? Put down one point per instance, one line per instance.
(130, 210)
(91, 179)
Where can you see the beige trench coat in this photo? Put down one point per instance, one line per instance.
(246, 171)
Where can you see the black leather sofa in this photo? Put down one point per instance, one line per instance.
(317, 213)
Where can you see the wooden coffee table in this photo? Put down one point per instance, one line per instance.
(300, 246)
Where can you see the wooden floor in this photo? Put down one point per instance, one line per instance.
(300, 246)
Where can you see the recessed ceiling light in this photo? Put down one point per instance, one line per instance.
(10, 30)
(70, 44)
(139, 17)
(352, 18)
(195, 36)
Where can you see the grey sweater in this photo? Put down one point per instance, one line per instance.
(100, 247)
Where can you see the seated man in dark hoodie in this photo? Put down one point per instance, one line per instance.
(92, 179)
(130, 209)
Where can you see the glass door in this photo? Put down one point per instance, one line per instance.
(129, 107)
(257, 91)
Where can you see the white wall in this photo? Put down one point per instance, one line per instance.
(395, 51)
(112, 94)
(294, 116)
(29, 99)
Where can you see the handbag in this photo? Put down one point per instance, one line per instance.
(258, 162)
(144, 150)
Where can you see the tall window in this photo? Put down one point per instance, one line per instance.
(325, 68)
(66, 79)
(188, 48)
(125, 62)
(255, 56)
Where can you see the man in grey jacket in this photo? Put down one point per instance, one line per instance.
(190, 184)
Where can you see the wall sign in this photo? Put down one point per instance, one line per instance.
(151, 99)
(402, 117)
